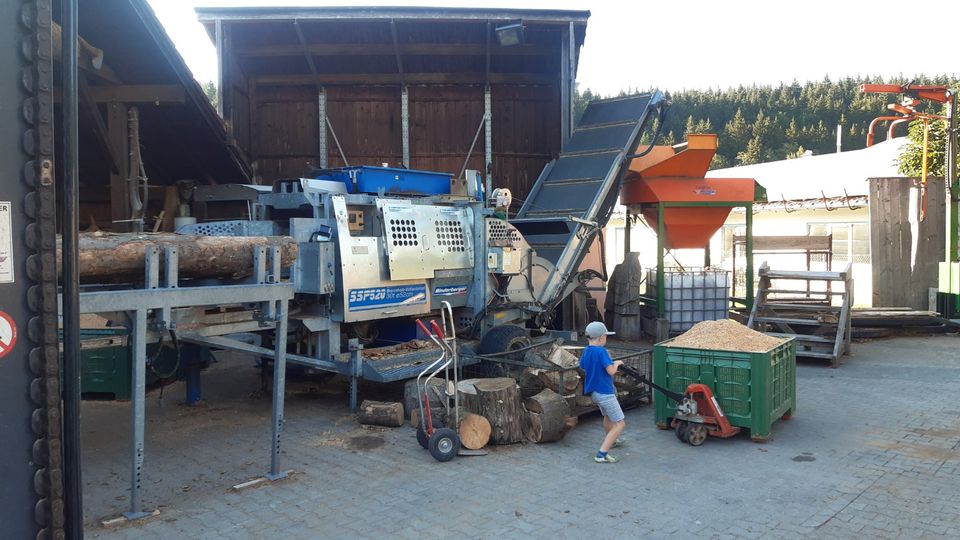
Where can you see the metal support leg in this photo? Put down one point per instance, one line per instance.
(191, 367)
(279, 386)
(356, 370)
(138, 404)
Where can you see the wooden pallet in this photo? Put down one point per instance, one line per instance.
(820, 328)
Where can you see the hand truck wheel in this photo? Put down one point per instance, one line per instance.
(444, 444)
(681, 430)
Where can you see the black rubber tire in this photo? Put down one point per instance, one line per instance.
(681, 430)
(444, 444)
(422, 433)
(696, 434)
(504, 338)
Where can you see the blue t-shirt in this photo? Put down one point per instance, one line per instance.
(594, 362)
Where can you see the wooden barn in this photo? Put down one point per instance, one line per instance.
(426, 88)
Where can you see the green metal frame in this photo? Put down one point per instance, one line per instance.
(661, 249)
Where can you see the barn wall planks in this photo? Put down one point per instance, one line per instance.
(443, 123)
(901, 279)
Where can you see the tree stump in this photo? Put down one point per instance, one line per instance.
(381, 413)
(546, 420)
(530, 383)
(497, 400)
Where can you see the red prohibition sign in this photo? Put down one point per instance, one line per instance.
(8, 334)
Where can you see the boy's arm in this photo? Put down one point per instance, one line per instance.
(610, 365)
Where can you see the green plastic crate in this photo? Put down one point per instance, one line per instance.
(753, 389)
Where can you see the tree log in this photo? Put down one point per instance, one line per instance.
(474, 429)
(498, 400)
(120, 256)
(551, 380)
(381, 413)
(530, 383)
(547, 414)
(469, 397)
(434, 391)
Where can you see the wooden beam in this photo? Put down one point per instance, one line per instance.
(303, 46)
(387, 49)
(396, 49)
(119, 192)
(141, 93)
(90, 111)
(361, 79)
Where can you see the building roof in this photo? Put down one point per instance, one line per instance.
(827, 176)
(181, 135)
(393, 45)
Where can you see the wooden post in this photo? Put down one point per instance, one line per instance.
(119, 189)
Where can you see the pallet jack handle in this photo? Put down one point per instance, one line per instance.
(644, 380)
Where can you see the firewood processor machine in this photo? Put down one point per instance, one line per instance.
(380, 247)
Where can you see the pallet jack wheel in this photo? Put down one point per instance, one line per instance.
(696, 434)
(681, 430)
(444, 444)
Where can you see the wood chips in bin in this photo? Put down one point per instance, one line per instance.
(727, 335)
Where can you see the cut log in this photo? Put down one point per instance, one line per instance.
(434, 391)
(474, 429)
(111, 257)
(469, 398)
(381, 413)
(530, 383)
(547, 414)
(499, 403)
(551, 380)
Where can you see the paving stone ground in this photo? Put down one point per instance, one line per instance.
(873, 451)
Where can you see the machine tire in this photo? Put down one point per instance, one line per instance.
(444, 444)
(696, 434)
(504, 338)
(681, 430)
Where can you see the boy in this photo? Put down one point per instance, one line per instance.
(599, 369)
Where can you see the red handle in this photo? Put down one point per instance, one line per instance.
(424, 328)
(436, 329)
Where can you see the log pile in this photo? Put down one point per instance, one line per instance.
(116, 257)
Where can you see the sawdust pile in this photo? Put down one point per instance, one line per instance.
(727, 335)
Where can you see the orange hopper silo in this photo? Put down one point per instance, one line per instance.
(666, 175)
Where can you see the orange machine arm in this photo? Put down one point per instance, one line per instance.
(932, 92)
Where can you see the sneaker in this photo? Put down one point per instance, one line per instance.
(606, 459)
(618, 443)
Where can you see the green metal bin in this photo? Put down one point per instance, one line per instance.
(753, 389)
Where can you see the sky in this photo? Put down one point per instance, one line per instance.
(695, 44)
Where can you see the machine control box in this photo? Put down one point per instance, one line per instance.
(503, 260)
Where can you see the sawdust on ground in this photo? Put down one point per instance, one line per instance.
(727, 335)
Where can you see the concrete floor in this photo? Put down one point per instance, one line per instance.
(871, 452)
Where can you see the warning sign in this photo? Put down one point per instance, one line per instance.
(8, 334)
(6, 243)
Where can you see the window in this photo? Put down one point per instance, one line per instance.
(851, 241)
(729, 231)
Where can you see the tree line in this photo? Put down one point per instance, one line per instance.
(761, 123)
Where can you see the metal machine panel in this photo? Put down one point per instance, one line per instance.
(367, 291)
(314, 271)
(422, 239)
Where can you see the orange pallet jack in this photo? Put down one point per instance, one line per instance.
(698, 412)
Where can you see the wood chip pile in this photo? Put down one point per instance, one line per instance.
(727, 335)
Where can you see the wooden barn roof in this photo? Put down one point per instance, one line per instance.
(394, 45)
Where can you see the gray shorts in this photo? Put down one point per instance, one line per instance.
(609, 406)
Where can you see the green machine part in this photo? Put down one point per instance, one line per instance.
(105, 363)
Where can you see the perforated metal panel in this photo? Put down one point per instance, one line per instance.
(421, 239)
